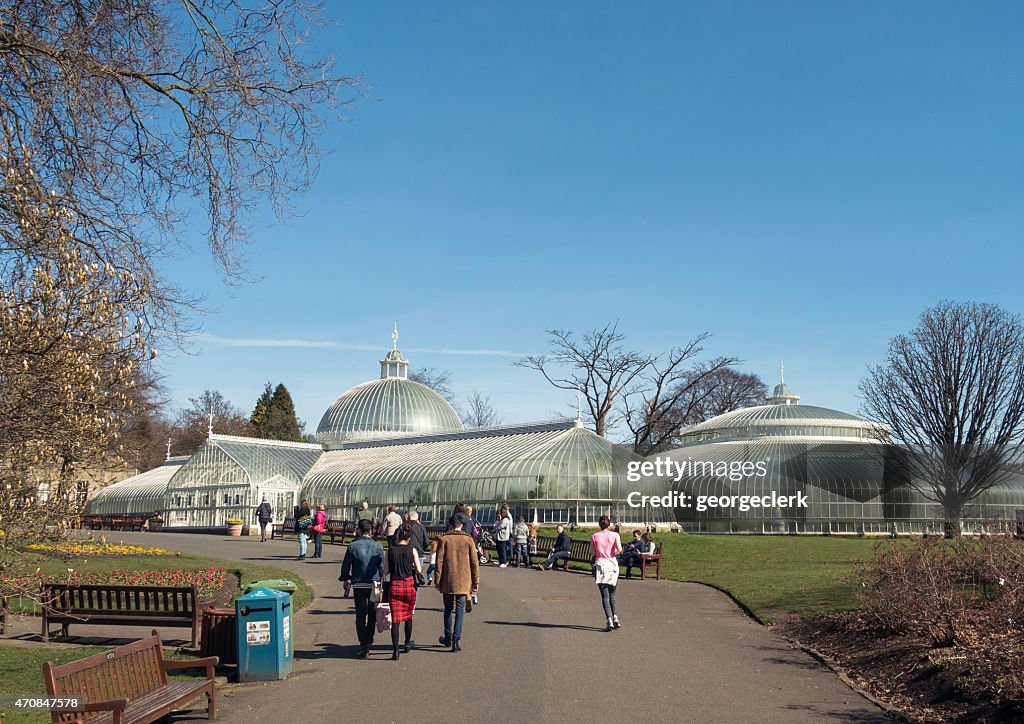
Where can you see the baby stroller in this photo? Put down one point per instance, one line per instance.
(485, 542)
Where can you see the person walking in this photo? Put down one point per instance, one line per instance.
(460, 512)
(364, 513)
(390, 525)
(402, 564)
(303, 520)
(264, 515)
(561, 549)
(470, 526)
(318, 528)
(361, 572)
(502, 536)
(457, 576)
(522, 536)
(418, 537)
(605, 546)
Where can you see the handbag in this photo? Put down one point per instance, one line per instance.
(383, 617)
(421, 580)
(318, 528)
(375, 592)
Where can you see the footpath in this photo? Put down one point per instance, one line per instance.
(534, 650)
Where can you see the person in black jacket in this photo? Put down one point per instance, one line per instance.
(418, 535)
(562, 549)
(264, 514)
(302, 511)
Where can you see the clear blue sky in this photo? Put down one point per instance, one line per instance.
(798, 179)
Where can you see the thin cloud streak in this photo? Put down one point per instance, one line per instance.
(327, 344)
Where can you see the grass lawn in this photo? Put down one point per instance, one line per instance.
(769, 575)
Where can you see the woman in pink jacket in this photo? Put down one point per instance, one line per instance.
(605, 546)
(318, 528)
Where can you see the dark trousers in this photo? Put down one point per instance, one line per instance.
(629, 560)
(366, 616)
(608, 600)
(553, 557)
(503, 551)
(523, 553)
(263, 529)
(318, 545)
(454, 604)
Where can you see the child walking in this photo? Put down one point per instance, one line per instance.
(522, 534)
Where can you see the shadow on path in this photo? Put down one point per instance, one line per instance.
(832, 714)
(534, 624)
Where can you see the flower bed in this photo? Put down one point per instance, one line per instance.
(71, 549)
(208, 580)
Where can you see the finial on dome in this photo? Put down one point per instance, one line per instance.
(394, 336)
(783, 393)
(168, 448)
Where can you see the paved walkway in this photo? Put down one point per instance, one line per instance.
(534, 649)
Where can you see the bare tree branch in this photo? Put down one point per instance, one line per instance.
(951, 397)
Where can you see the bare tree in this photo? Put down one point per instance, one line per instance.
(676, 396)
(724, 390)
(132, 112)
(192, 424)
(951, 393)
(598, 365)
(652, 393)
(437, 379)
(117, 119)
(479, 412)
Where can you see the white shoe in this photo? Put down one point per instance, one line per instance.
(615, 622)
(503, 565)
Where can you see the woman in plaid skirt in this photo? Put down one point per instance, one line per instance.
(403, 565)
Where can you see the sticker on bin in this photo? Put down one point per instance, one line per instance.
(257, 633)
(286, 629)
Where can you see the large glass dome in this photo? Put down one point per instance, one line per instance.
(393, 405)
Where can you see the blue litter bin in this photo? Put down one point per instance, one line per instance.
(264, 619)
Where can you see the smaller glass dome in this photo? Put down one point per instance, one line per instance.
(784, 417)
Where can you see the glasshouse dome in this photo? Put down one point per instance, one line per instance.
(392, 405)
(849, 478)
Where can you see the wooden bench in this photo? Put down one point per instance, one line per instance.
(651, 559)
(128, 685)
(280, 530)
(341, 529)
(110, 605)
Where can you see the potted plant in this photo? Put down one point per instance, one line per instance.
(235, 526)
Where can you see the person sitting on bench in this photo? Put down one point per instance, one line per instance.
(632, 554)
(561, 549)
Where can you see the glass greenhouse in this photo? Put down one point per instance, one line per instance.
(393, 440)
(145, 493)
(555, 471)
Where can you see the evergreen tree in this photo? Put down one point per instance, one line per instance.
(282, 423)
(258, 419)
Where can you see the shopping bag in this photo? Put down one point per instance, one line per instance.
(383, 617)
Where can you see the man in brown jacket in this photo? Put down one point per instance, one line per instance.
(457, 575)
